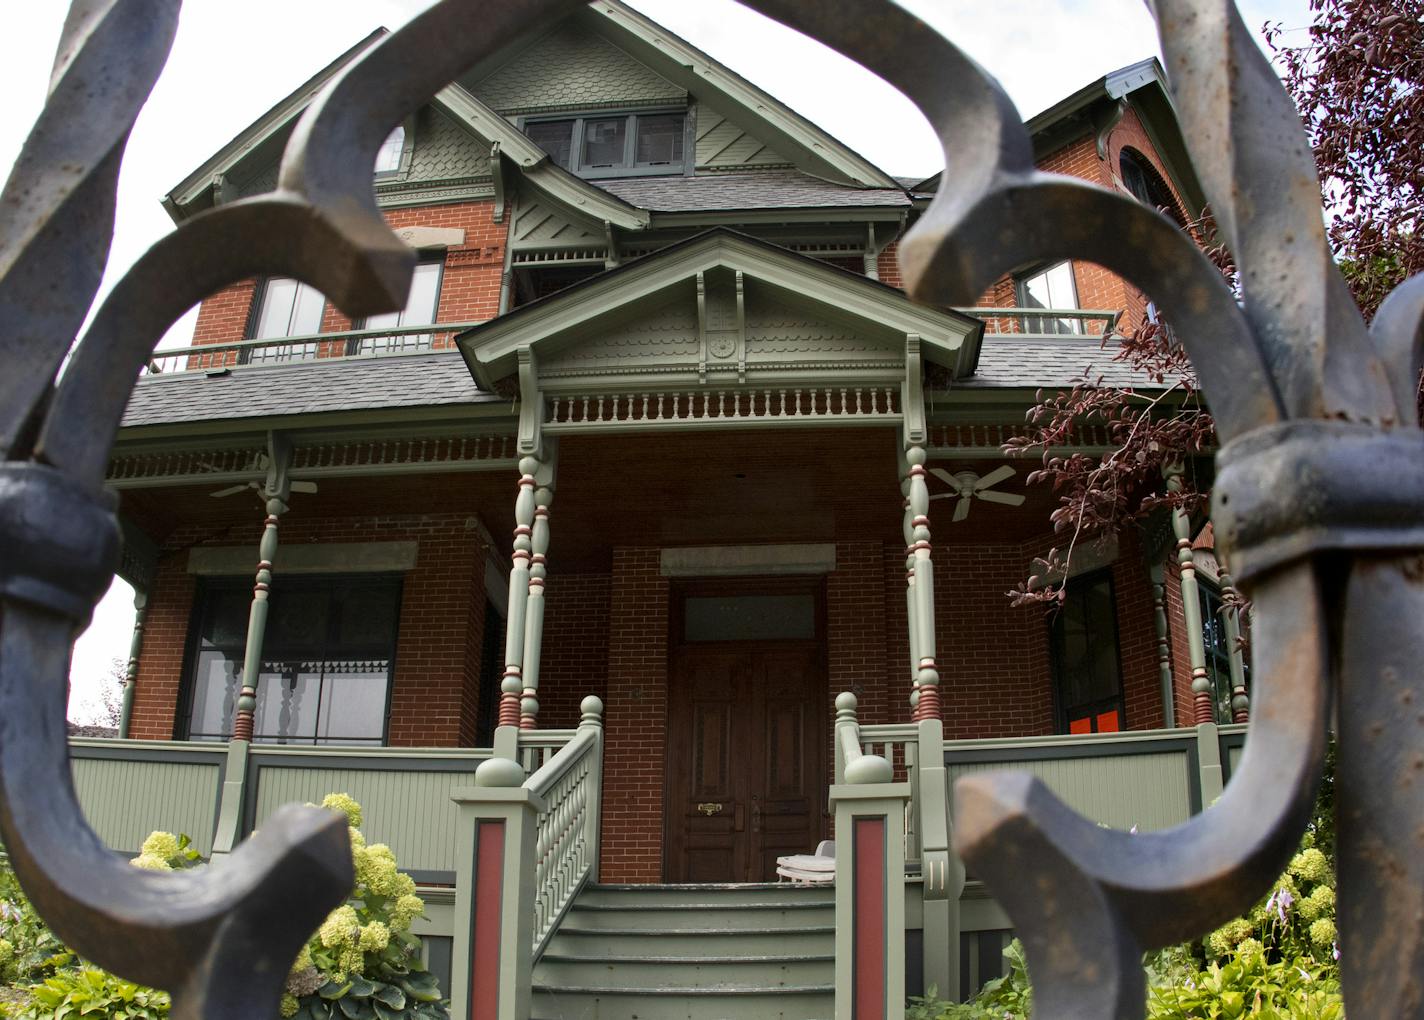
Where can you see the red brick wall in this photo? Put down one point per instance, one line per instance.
(469, 288)
(636, 719)
(574, 660)
(855, 631)
(435, 687)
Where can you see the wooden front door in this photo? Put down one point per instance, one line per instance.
(746, 778)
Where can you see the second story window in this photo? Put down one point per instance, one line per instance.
(419, 310)
(392, 152)
(1049, 288)
(613, 145)
(285, 307)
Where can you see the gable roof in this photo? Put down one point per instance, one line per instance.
(1144, 85)
(785, 189)
(563, 319)
(684, 67)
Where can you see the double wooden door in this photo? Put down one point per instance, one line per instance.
(746, 766)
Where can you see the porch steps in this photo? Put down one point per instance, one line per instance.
(691, 952)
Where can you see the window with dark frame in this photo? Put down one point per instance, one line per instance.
(614, 144)
(327, 660)
(284, 307)
(391, 154)
(420, 308)
(1051, 287)
(1087, 666)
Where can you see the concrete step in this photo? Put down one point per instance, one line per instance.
(575, 941)
(664, 895)
(673, 1003)
(778, 915)
(743, 972)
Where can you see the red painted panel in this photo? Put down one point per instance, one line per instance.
(1083, 725)
(869, 954)
(1108, 722)
(484, 935)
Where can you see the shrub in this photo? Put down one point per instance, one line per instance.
(90, 992)
(363, 963)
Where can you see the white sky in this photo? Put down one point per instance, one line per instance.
(229, 65)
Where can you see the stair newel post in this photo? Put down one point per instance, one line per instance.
(941, 870)
(512, 686)
(591, 709)
(494, 894)
(534, 608)
(927, 674)
(870, 879)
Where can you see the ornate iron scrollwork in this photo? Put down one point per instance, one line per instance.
(1331, 558)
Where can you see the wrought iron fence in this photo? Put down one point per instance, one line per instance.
(1318, 496)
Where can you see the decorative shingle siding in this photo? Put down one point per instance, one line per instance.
(444, 150)
(724, 145)
(569, 69)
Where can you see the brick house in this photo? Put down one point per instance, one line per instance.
(656, 332)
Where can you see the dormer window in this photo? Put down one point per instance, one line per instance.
(394, 154)
(614, 145)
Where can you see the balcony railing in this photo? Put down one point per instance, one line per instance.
(351, 343)
(375, 343)
(1044, 322)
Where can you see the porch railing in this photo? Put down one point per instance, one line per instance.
(528, 846)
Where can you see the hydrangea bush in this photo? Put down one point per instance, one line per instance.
(363, 963)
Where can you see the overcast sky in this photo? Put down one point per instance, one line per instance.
(230, 64)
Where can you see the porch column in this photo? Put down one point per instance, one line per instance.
(512, 686)
(1231, 626)
(1203, 697)
(911, 603)
(131, 668)
(1156, 574)
(257, 621)
(927, 706)
(534, 606)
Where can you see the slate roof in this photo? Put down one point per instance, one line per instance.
(733, 191)
(314, 387)
(1007, 362)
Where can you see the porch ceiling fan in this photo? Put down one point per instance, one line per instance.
(258, 487)
(966, 486)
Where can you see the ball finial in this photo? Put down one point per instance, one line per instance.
(528, 465)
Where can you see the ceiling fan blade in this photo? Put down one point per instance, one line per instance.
(304, 486)
(961, 509)
(947, 478)
(1007, 498)
(944, 495)
(994, 477)
(231, 490)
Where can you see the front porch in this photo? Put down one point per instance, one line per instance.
(415, 798)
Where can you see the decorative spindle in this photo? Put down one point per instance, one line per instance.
(534, 612)
(927, 675)
(911, 601)
(1203, 697)
(131, 668)
(1231, 627)
(519, 573)
(257, 623)
(1157, 576)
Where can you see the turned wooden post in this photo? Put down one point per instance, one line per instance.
(911, 603)
(1157, 575)
(1231, 627)
(257, 622)
(534, 608)
(927, 705)
(512, 686)
(131, 668)
(1203, 697)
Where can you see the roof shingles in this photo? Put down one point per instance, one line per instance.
(736, 191)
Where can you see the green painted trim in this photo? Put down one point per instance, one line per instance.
(491, 349)
(1232, 738)
(1156, 745)
(260, 131)
(309, 558)
(809, 215)
(182, 753)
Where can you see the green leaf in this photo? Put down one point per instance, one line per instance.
(332, 990)
(356, 1009)
(391, 996)
(361, 988)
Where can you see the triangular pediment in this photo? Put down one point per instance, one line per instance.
(721, 307)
